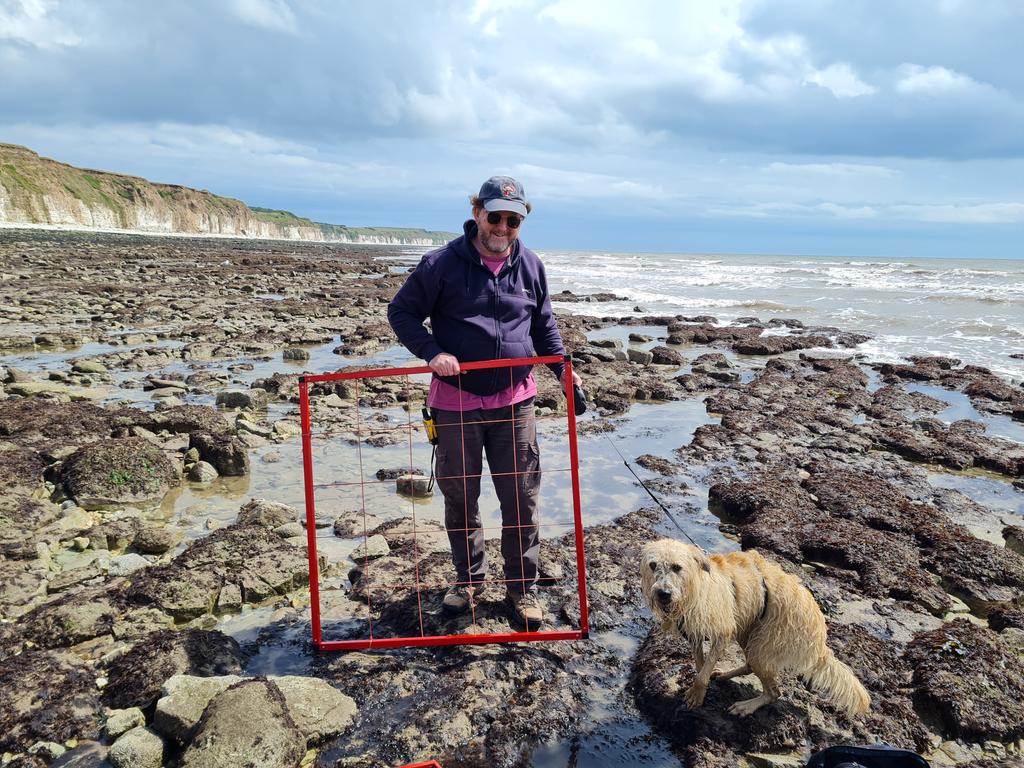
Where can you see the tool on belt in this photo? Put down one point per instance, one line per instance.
(431, 428)
(428, 424)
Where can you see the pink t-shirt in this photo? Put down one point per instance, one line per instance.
(448, 398)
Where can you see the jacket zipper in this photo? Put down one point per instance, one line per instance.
(497, 330)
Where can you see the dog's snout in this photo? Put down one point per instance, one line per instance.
(663, 595)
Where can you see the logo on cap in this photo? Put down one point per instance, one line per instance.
(508, 190)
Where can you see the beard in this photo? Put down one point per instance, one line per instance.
(496, 244)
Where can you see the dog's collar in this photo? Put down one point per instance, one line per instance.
(764, 605)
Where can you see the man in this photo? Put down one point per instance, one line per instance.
(486, 296)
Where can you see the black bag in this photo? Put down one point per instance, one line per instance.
(878, 756)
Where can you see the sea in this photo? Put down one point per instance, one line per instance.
(969, 309)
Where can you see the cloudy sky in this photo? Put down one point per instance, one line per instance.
(807, 127)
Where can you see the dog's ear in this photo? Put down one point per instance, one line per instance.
(703, 562)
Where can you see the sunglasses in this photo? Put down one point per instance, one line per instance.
(511, 220)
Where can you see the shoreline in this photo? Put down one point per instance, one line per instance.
(783, 441)
(67, 228)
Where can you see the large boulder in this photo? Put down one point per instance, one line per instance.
(228, 454)
(121, 471)
(183, 702)
(248, 724)
(135, 678)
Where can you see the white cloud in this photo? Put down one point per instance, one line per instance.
(848, 211)
(981, 213)
(841, 80)
(33, 22)
(835, 169)
(484, 8)
(646, 46)
(578, 185)
(274, 15)
(917, 79)
(791, 210)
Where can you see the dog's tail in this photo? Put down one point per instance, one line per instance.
(836, 682)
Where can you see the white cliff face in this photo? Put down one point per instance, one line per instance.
(36, 191)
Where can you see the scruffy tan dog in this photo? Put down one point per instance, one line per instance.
(744, 598)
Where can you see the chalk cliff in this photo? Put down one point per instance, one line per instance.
(36, 190)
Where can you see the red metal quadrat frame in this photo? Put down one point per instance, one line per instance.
(425, 640)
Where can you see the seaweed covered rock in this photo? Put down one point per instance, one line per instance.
(970, 680)
(487, 706)
(250, 556)
(47, 696)
(777, 514)
(46, 426)
(192, 418)
(21, 469)
(984, 575)
(72, 619)
(961, 445)
(663, 669)
(121, 471)
(21, 517)
(135, 678)
(228, 454)
(884, 671)
(776, 345)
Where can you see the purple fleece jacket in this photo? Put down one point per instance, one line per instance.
(475, 314)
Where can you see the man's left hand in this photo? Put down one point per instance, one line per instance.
(576, 380)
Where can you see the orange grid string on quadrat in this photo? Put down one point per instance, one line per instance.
(494, 555)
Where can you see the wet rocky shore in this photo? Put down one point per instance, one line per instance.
(155, 602)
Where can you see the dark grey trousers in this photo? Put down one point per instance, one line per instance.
(513, 459)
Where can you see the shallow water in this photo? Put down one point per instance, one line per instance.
(972, 310)
(613, 733)
(961, 407)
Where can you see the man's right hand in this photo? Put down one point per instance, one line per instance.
(444, 365)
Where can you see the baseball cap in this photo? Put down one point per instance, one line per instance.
(503, 193)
